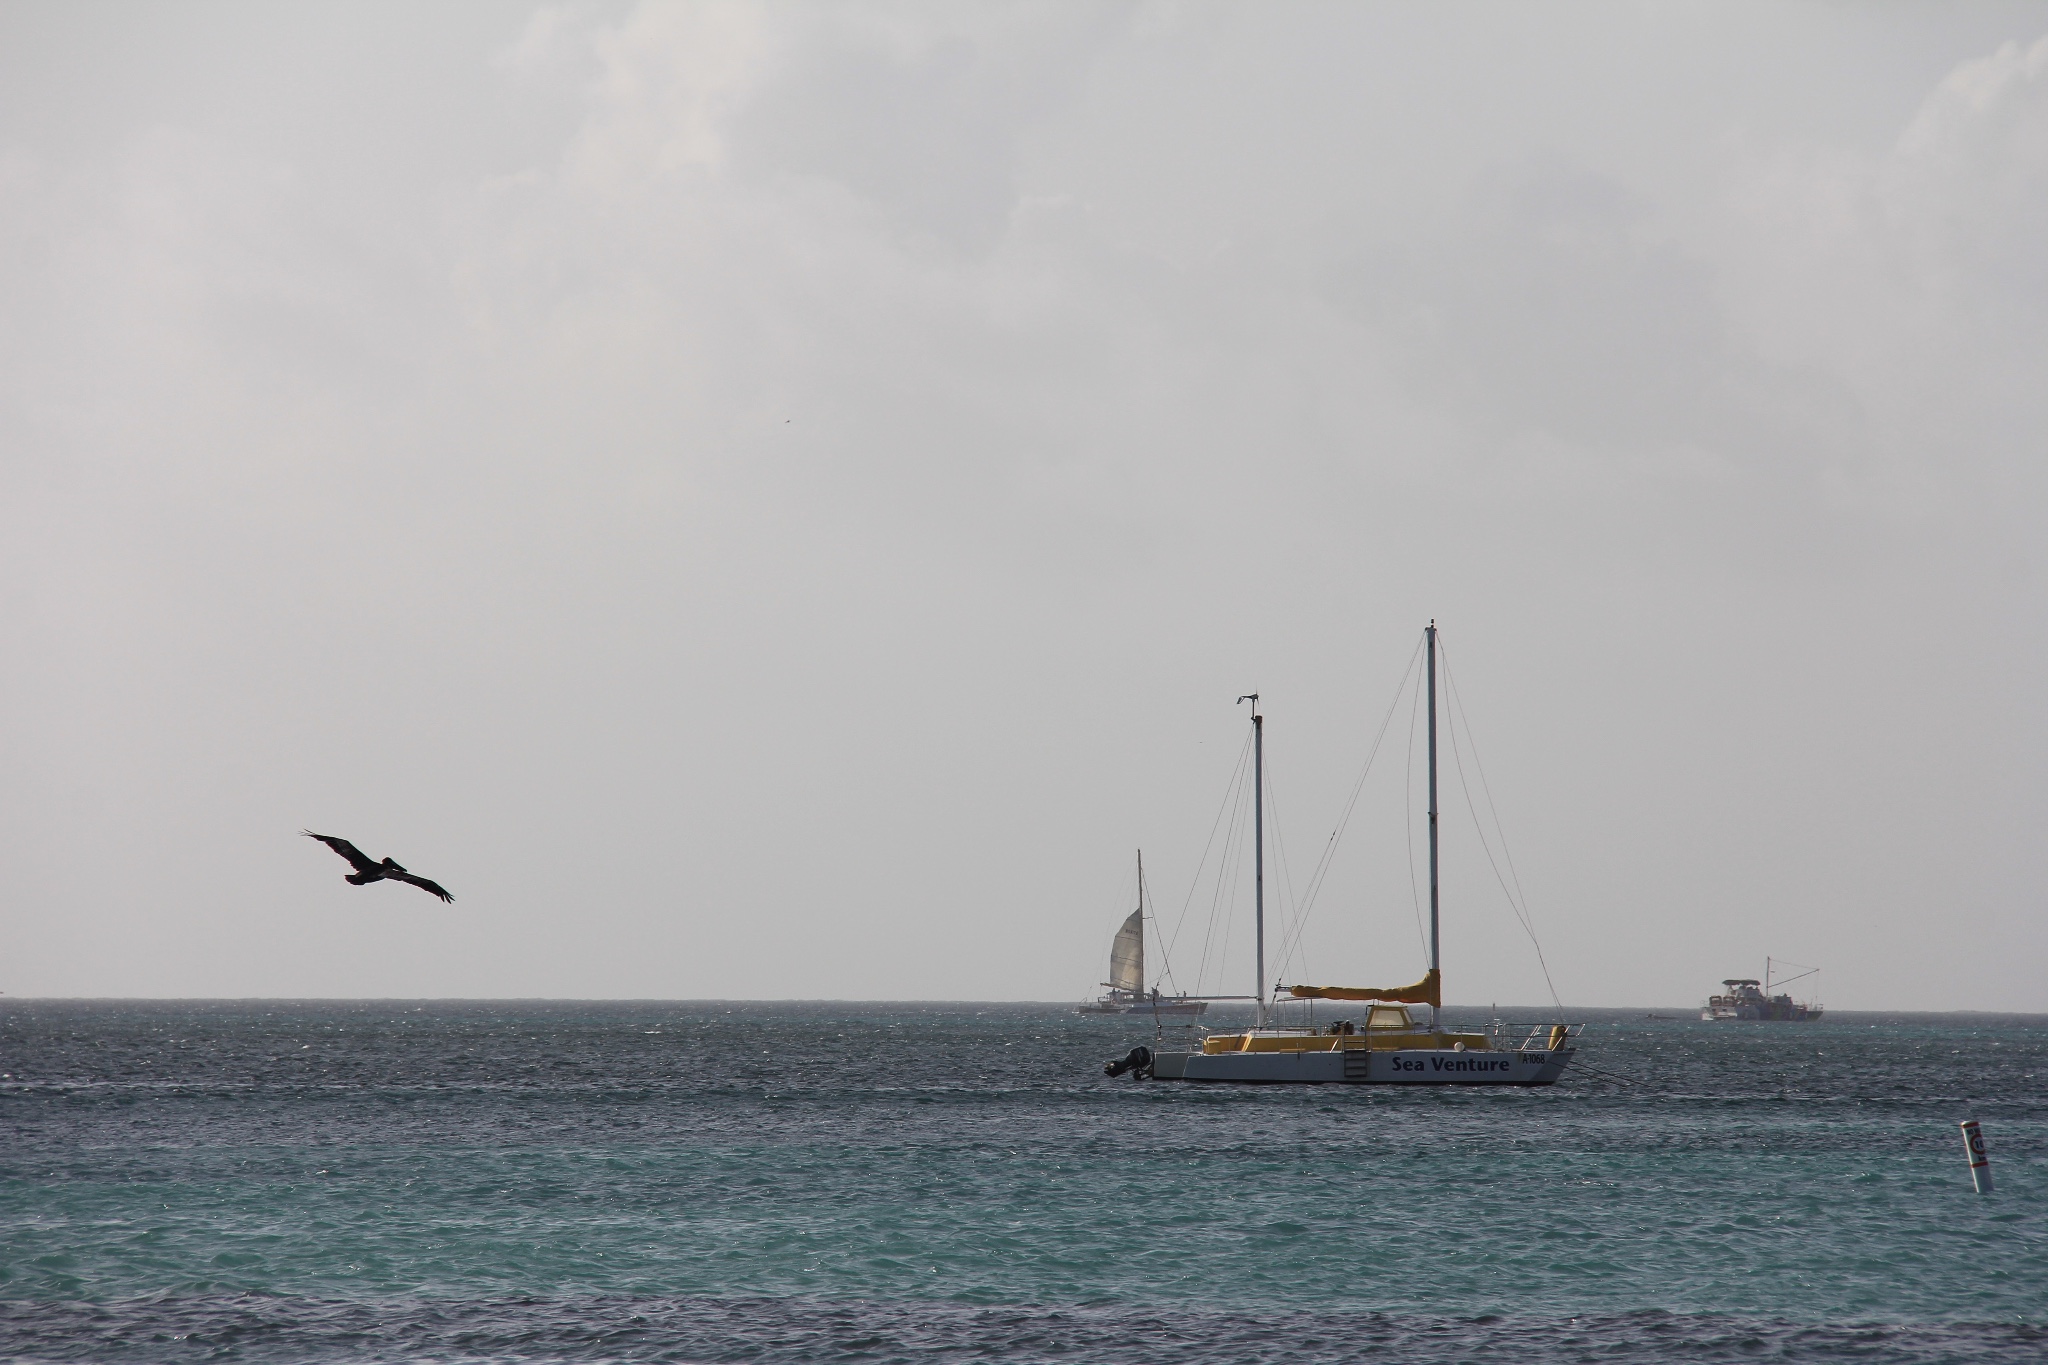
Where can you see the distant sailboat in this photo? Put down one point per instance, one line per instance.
(1127, 993)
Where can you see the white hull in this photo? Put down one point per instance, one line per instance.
(1357, 1066)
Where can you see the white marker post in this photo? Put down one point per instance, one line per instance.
(1980, 1163)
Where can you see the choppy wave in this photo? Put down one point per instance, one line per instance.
(258, 1329)
(373, 1181)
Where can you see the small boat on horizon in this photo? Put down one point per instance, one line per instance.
(1747, 999)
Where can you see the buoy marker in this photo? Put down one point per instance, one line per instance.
(1980, 1162)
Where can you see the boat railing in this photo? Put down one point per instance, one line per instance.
(1537, 1038)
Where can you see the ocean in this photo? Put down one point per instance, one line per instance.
(557, 1181)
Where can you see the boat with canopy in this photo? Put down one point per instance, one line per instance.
(1747, 998)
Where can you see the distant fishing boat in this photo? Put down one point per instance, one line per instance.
(1126, 984)
(1746, 998)
(1389, 1046)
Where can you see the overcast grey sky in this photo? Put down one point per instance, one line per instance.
(774, 501)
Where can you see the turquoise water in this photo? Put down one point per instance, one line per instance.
(393, 1180)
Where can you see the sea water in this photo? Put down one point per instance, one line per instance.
(384, 1181)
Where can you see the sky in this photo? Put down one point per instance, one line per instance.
(779, 501)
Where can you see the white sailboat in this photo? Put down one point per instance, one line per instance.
(1390, 1046)
(1126, 984)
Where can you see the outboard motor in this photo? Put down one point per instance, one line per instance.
(1138, 1061)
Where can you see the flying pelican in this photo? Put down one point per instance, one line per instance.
(367, 871)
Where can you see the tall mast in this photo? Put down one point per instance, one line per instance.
(1259, 843)
(1435, 955)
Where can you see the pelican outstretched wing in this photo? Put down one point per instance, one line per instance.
(356, 858)
(421, 882)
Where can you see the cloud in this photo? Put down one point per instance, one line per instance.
(1911, 276)
(821, 458)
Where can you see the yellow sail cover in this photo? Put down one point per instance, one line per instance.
(1428, 991)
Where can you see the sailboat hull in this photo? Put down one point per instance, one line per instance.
(1359, 1066)
(1165, 1009)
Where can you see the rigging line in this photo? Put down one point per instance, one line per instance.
(1485, 787)
(1123, 899)
(1519, 898)
(1379, 737)
(1230, 877)
(1232, 840)
(1223, 870)
(1788, 980)
(1165, 952)
(1195, 884)
(1486, 846)
(1521, 914)
(1336, 835)
(1290, 931)
(1297, 913)
(1122, 887)
(1322, 868)
(1286, 874)
(1230, 790)
(1297, 908)
(1408, 814)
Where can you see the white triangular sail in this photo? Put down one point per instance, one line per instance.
(1127, 955)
